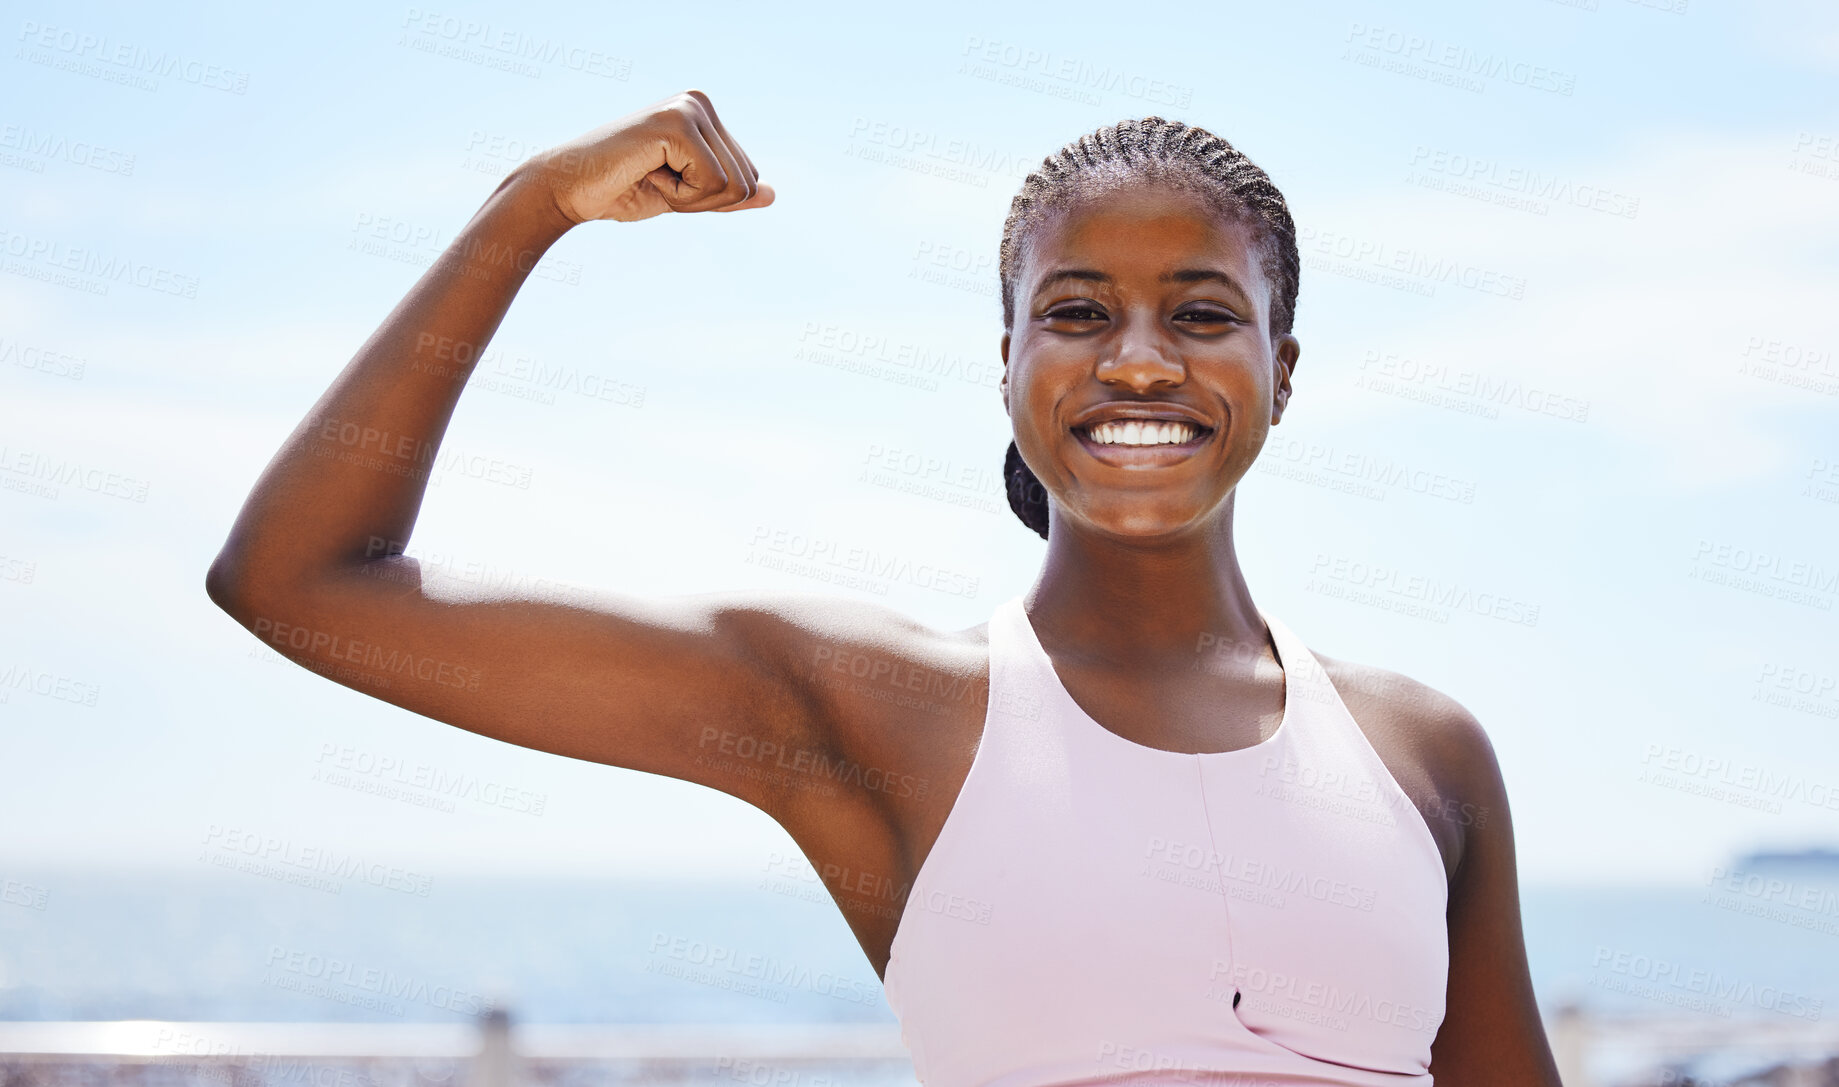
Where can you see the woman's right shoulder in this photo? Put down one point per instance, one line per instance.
(874, 677)
(836, 647)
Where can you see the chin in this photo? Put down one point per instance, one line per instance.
(1134, 520)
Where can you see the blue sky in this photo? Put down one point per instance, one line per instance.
(1568, 343)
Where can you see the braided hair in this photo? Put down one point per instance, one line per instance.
(1150, 149)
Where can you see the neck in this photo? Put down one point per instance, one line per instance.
(1123, 601)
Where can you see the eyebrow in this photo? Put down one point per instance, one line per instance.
(1184, 275)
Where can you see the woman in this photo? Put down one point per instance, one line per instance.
(1178, 841)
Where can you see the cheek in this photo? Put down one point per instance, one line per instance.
(1033, 391)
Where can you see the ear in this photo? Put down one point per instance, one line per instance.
(1288, 350)
(1004, 384)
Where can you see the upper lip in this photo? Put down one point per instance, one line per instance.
(1125, 410)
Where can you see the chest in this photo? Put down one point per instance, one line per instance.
(1271, 901)
(1224, 706)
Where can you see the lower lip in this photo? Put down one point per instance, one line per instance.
(1139, 457)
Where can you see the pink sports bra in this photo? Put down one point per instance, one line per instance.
(1096, 910)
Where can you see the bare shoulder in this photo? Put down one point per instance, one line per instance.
(837, 644)
(1436, 749)
(811, 634)
(897, 708)
(883, 687)
(1439, 727)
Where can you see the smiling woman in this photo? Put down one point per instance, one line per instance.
(1171, 155)
(1140, 826)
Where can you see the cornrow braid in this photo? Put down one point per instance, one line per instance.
(1149, 149)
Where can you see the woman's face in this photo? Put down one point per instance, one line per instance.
(1143, 302)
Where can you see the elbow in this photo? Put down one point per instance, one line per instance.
(224, 584)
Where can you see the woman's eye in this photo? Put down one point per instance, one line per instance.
(1089, 313)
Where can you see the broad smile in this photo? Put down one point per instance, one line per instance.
(1142, 444)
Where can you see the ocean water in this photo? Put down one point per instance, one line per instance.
(239, 945)
(247, 946)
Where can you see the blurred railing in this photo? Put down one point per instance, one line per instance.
(486, 1053)
(1800, 1052)
(493, 1053)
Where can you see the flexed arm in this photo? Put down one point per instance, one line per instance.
(313, 563)
(356, 468)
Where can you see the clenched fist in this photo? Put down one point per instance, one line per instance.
(674, 155)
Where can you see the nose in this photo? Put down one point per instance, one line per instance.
(1141, 357)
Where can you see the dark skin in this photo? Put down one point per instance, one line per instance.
(714, 688)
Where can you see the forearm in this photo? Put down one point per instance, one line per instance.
(355, 469)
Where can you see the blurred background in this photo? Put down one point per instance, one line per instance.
(1562, 445)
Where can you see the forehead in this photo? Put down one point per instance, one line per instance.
(1143, 228)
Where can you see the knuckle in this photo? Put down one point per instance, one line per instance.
(703, 105)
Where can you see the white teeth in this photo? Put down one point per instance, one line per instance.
(1142, 432)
